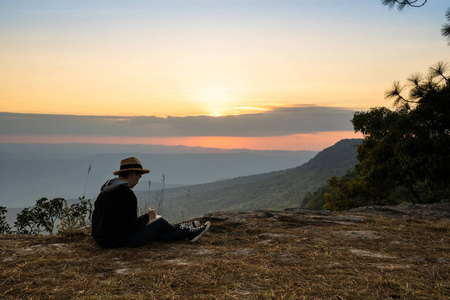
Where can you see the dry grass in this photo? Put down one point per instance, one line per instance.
(248, 256)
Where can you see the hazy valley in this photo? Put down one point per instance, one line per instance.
(193, 185)
(32, 171)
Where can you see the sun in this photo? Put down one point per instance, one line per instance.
(218, 101)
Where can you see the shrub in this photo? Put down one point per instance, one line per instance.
(44, 216)
(4, 226)
(78, 215)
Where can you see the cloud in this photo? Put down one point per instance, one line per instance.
(277, 122)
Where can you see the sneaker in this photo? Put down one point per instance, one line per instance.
(187, 225)
(196, 233)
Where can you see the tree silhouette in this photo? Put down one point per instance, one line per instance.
(446, 27)
(405, 154)
(420, 86)
(401, 4)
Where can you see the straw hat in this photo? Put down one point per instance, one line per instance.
(131, 164)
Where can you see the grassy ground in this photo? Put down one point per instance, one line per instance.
(264, 255)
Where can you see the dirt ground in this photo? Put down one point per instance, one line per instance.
(400, 252)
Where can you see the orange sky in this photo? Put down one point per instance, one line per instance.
(219, 57)
(215, 58)
(312, 141)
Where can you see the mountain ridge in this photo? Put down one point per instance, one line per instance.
(274, 190)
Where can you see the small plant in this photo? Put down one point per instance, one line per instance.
(144, 206)
(159, 197)
(27, 221)
(78, 215)
(51, 211)
(4, 226)
(42, 217)
(45, 215)
(188, 215)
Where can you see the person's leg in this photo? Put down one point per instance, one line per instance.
(160, 230)
(187, 231)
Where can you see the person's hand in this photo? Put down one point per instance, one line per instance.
(151, 214)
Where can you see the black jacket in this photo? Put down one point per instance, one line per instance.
(115, 214)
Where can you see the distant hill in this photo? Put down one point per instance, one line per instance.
(30, 172)
(273, 190)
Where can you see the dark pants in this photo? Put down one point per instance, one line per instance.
(160, 230)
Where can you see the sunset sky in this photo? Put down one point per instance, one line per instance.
(257, 74)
